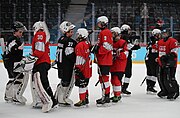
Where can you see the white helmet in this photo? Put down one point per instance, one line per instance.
(102, 19)
(37, 26)
(66, 26)
(82, 33)
(156, 31)
(125, 27)
(116, 29)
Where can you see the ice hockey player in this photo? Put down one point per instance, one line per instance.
(150, 61)
(83, 66)
(103, 50)
(168, 53)
(40, 49)
(12, 54)
(117, 70)
(131, 45)
(65, 59)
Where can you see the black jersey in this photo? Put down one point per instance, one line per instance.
(12, 52)
(65, 53)
(65, 58)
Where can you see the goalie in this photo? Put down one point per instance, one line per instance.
(168, 49)
(12, 54)
(65, 59)
(40, 82)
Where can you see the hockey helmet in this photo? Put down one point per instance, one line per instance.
(66, 26)
(18, 26)
(102, 19)
(116, 29)
(125, 27)
(156, 31)
(166, 34)
(37, 26)
(81, 33)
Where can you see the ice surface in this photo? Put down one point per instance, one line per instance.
(138, 105)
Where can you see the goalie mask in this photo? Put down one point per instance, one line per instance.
(41, 25)
(18, 26)
(37, 26)
(166, 34)
(81, 34)
(66, 27)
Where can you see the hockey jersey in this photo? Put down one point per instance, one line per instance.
(65, 53)
(167, 47)
(83, 60)
(12, 52)
(105, 43)
(40, 48)
(120, 56)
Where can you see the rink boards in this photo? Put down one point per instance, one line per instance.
(137, 55)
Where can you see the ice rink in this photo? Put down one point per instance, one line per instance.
(138, 105)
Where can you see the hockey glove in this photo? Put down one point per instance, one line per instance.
(168, 60)
(81, 83)
(80, 80)
(78, 73)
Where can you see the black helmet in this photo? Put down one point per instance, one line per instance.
(166, 33)
(18, 26)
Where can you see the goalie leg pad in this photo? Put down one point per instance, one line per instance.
(61, 97)
(45, 98)
(9, 91)
(62, 93)
(19, 88)
(70, 87)
(36, 99)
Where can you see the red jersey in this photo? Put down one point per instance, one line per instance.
(120, 59)
(40, 48)
(83, 61)
(105, 43)
(166, 47)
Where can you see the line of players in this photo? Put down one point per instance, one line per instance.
(112, 55)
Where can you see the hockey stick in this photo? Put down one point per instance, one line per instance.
(89, 31)
(143, 81)
(104, 87)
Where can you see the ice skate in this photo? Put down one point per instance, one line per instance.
(126, 92)
(172, 96)
(162, 94)
(80, 104)
(47, 107)
(103, 102)
(151, 90)
(36, 105)
(115, 99)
